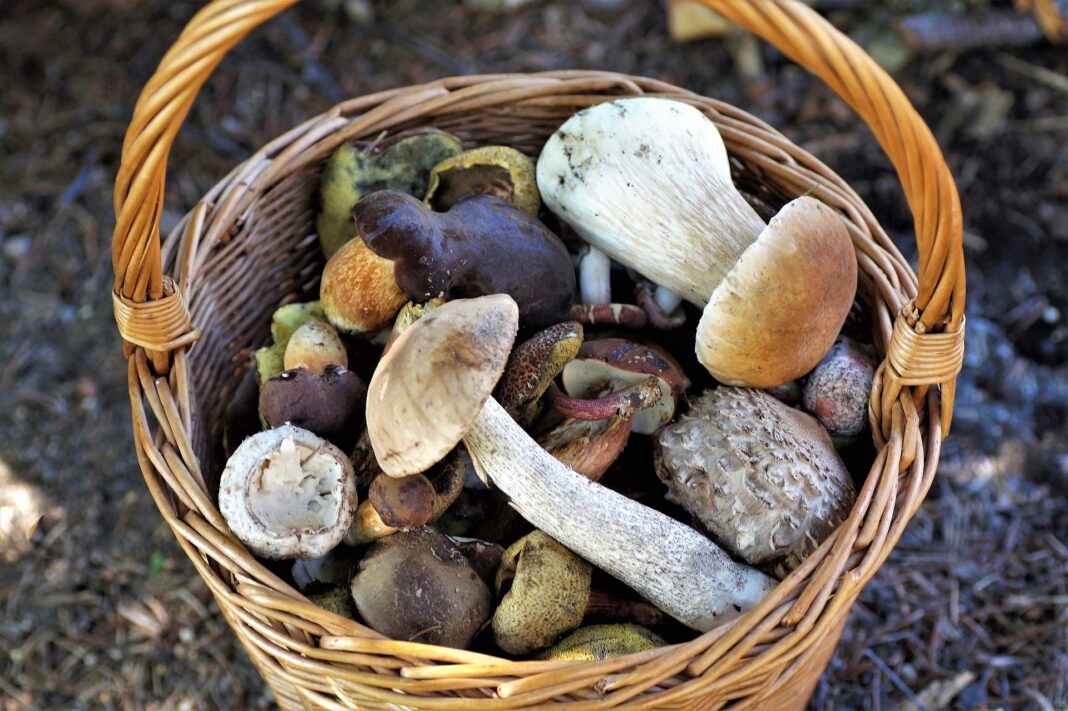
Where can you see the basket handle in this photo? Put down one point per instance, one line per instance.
(150, 311)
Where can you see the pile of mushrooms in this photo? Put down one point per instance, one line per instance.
(486, 435)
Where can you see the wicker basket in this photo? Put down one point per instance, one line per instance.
(249, 246)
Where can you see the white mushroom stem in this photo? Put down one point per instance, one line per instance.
(673, 566)
(667, 300)
(595, 277)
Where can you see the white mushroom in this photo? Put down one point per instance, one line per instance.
(432, 390)
(648, 182)
(595, 277)
(762, 477)
(286, 493)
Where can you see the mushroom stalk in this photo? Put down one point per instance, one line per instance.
(670, 564)
(639, 396)
(667, 299)
(595, 277)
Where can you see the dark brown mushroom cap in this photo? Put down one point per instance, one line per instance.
(418, 585)
(325, 403)
(482, 246)
(611, 364)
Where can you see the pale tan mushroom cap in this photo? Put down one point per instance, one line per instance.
(782, 305)
(358, 292)
(431, 385)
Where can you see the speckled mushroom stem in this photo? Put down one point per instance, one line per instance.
(668, 563)
(621, 403)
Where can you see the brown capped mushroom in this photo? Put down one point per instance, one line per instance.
(418, 586)
(367, 526)
(762, 477)
(358, 292)
(837, 391)
(402, 502)
(286, 493)
(327, 403)
(483, 245)
(647, 180)
(433, 390)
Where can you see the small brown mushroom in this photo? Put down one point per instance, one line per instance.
(489, 170)
(402, 502)
(327, 403)
(367, 526)
(762, 477)
(286, 493)
(418, 586)
(483, 245)
(589, 447)
(837, 391)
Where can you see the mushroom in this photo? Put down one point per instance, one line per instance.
(270, 360)
(433, 389)
(550, 589)
(623, 315)
(367, 526)
(550, 594)
(595, 276)
(609, 365)
(314, 346)
(647, 181)
(489, 170)
(837, 391)
(402, 162)
(532, 367)
(402, 502)
(662, 312)
(762, 477)
(357, 291)
(482, 245)
(418, 586)
(597, 642)
(589, 447)
(286, 493)
(328, 403)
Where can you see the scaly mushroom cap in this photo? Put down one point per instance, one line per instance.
(489, 170)
(762, 477)
(415, 414)
(418, 585)
(647, 181)
(483, 245)
(782, 305)
(358, 292)
(286, 493)
(550, 589)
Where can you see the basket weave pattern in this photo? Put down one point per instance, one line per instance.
(191, 309)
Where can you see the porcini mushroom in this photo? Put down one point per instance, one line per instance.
(432, 390)
(647, 181)
(418, 585)
(286, 493)
(358, 292)
(762, 477)
(483, 245)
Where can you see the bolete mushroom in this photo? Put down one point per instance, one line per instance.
(762, 477)
(358, 292)
(432, 390)
(270, 360)
(314, 346)
(402, 161)
(609, 365)
(837, 391)
(328, 403)
(402, 502)
(286, 493)
(483, 245)
(597, 642)
(647, 181)
(418, 586)
(488, 170)
(532, 367)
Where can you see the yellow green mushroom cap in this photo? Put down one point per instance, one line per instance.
(287, 319)
(598, 642)
(549, 594)
(495, 170)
